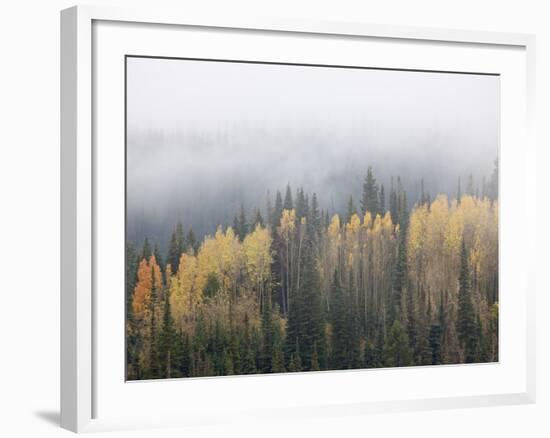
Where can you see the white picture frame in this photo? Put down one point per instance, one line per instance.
(79, 197)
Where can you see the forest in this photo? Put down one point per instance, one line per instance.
(290, 287)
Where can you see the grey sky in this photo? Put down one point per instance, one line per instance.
(205, 136)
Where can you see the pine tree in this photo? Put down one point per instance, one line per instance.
(466, 318)
(146, 251)
(288, 203)
(173, 252)
(309, 304)
(397, 352)
(295, 364)
(258, 219)
(394, 205)
(340, 326)
(351, 210)
(369, 200)
(191, 242)
(167, 344)
(269, 210)
(301, 204)
(277, 210)
(158, 257)
(435, 343)
(315, 218)
(458, 192)
(241, 226)
(382, 200)
(399, 275)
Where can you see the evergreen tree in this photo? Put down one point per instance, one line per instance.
(435, 343)
(351, 209)
(340, 326)
(397, 352)
(269, 211)
(394, 205)
(466, 318)
(268, 335)
(288, 203)
(315, 217)
(173, 252)
(158, 257)
(295, 364)
(382, 201)
(146, 251)
(301, 204)
(241, 226)
(258, 219)
(183, 358)
(309, 304)
(167, 344)
(277, 210)
(458, 192)
(212, 286)
(191, 242)
(176, 247)
(399, 275)
(369, 200)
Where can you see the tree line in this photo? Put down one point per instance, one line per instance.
(384, 284)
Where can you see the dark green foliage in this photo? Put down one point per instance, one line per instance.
(158, 257)
(212, 286)
(397, 352)
(301, 204)
(370, 314)
(288, 203)
(370, 199)
(191, 242)
(382, 200)
(466, 320)
(394, 205)
(314, 219)
(277, 210)
(340, 326)
(399, 275)
(268, 211)
(241, 224)
(176, 247)
(295, 364)
(435, 343)
(258, 219)
(351, 210)
(169, 353)
(146, 252)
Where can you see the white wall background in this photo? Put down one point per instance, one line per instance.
(29, 215)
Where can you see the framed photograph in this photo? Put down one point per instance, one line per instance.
(264, 218)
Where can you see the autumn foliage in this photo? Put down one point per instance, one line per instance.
(407, 285)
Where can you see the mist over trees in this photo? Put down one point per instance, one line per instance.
(387, 282)
(285, 218)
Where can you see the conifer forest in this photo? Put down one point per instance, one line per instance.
(289, 288)
(286, 218)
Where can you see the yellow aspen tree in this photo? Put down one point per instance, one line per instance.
(258, 259)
